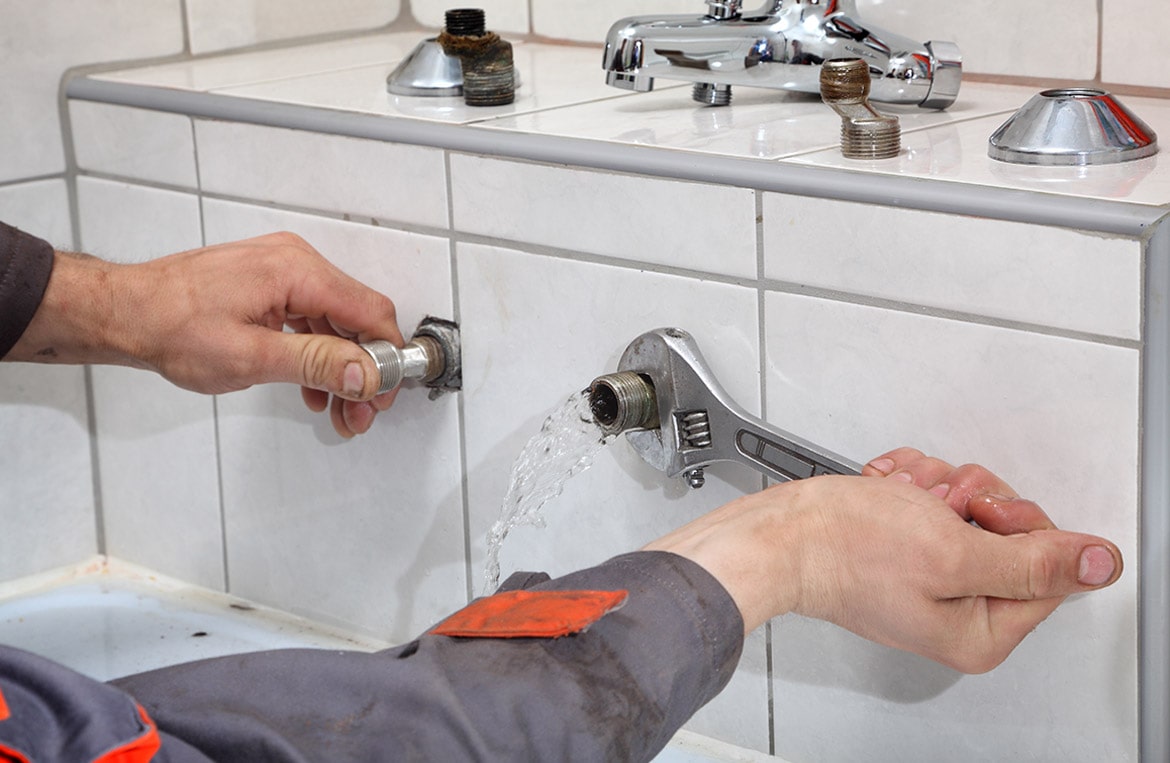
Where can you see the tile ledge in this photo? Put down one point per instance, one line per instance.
(953, 197)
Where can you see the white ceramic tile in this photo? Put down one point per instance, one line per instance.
(47, 506)
(40, 207)
(537, 329)
(155, 442)
(760, 123)
(352, 176)
(586, 21)
(229, 70)
(135, 143)
(41, 40)
(550, 77)
(1018, 272)
(500, 16)
(159, 481)
(367, 533)
(125, 222)
(958, 153)
(221, 24)
(1133, 42)
(686, 225)
(1043, 38)
(862, 380)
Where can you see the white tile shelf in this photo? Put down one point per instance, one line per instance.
(565, 114)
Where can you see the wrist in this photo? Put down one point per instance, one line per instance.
(752, 547)
(76, 321)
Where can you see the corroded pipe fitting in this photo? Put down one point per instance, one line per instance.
(489, 77)
(623, 400)
(865, 133)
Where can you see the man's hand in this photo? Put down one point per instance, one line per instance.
(945, 562)
(212, 320)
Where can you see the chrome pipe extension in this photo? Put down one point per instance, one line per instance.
(432, 356)
(674, 413)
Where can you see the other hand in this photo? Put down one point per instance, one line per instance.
(212, 320)
(916, 554)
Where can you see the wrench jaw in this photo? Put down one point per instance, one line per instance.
(690, 401)
(698, 424)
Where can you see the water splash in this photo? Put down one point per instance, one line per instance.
(566, 445)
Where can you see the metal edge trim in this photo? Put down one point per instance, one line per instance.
(1154, 537)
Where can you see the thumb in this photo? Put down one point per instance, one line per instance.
(328, 363)
(1042, 564)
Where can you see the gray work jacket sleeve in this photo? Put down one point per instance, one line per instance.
(616, 692)
(25, 264)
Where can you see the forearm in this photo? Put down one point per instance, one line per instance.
(618, 691)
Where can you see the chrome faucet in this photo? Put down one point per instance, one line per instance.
(780, 46)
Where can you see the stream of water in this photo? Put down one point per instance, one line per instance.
(566, 445)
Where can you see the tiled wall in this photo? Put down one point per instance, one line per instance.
(384, 533)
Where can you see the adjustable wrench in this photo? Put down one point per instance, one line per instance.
(679, 419)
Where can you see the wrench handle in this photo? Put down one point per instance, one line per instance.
(787, 457)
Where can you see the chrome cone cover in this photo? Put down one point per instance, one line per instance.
(1072, 126)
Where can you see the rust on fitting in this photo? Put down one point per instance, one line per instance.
(865, 132)
(622, 401)
(489, 77)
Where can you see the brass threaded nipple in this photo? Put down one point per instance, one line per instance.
(844, 80)
(865, 133)
(465, 22)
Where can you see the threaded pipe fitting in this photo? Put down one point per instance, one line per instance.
(711, 95)
(421, 358)
(489, 76)
(865, 132)
(465, 22)
(623, 400)
(844, 81)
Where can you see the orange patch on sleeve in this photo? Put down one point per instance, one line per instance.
(140, 749)
(531, 614)
(5, 713)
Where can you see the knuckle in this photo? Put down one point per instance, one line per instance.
(289, 239)
(1042, 575)
(315, 361)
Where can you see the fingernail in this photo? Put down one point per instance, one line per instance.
(354, 380)
(941, 490)
(1097, 565)
(883, 465)
(903, 476)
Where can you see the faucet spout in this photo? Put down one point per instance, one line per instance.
(780, 46)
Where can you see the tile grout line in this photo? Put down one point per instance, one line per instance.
(761, 340)
(461, 413)
(215, 431)
(70, 178)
